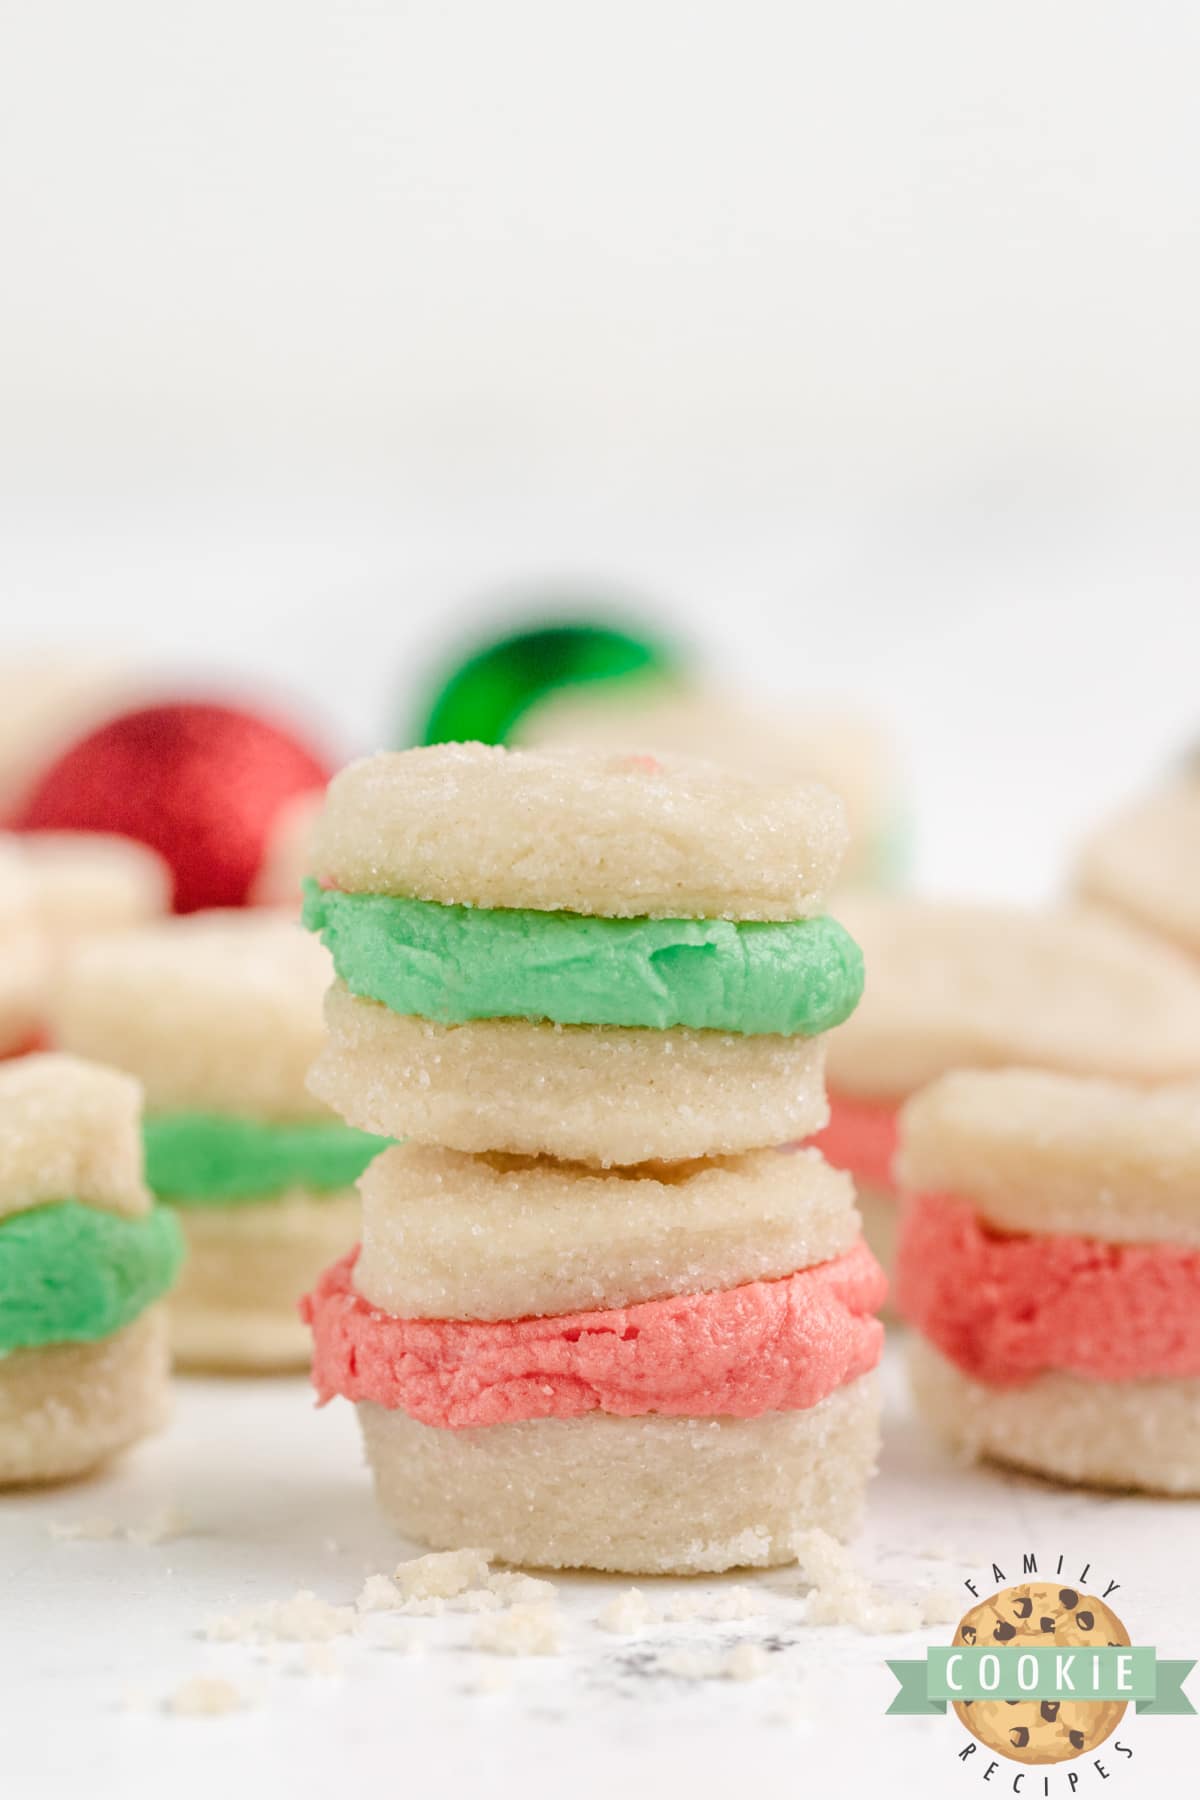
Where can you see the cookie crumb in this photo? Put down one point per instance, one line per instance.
(841, 1594)
(516, 1589)
(727, 1606)
(162, 1527)
(302, 1619)
(522, 1631)
(629, 1612)
(91, 1528)
(205, 1697)
(479, 1600)
(443, 1575)
(379, 1594)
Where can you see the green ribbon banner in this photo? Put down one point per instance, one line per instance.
(1041, 1672)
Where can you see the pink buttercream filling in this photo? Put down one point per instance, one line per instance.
(768, 1346)
(861, 1136)
(1006, 1307)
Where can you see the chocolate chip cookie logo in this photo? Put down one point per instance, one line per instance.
(1042, 1672)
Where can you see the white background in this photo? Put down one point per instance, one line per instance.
(861, 340)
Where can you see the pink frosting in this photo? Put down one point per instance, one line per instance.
(861, 1136)
(1005, 1307)
(767, 1346)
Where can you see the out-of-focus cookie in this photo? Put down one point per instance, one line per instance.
(974, 987)
(84, 1263)
(24, 953)
(752, 738)
(1145, 864)
(219, 1016)
(1049, 1258)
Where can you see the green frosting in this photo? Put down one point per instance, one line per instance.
(216, 1159)
(483, 697)
(453, 963)
(70, 1274)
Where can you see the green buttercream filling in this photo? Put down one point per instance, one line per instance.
(216, 1159)
(453, 963)
(71, 1274)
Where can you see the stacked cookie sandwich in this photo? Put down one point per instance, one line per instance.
(596, 1320)
(84, 1261)
(219, 1016)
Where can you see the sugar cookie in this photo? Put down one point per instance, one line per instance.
(219, 1015)
(1048, 1258)
(963, 986)
(1145, 864)
(588, 1093)
(619, 836)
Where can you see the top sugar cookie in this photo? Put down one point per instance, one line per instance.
(982, 987)
(1146, 864)
(215, 1011)
(576, 831)
(1047, 1153)
(70, 1130)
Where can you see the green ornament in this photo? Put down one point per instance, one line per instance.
(484, 697)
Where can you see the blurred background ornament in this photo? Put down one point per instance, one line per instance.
(200, 782)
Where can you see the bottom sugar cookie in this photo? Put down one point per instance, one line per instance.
(646, 1495)
(66, 1408)
(235, 1304)
(1139, 1435)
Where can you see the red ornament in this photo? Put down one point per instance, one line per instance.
(200, 783)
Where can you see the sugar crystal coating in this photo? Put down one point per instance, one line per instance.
(623, 836)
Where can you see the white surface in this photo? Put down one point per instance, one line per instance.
(95, 1634)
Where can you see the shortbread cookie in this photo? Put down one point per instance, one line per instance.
(1038, 1613)
(753, 739)
(65, 1409)
(219, 1016)
(87, 882)
(1145, 864)
(596, 1094)
(235, 1305)
(560, 1238)
(24, 953)
(84, 1258)
(1021, 1275)
(980, 987)
(643, 1496)
(1134, 1435)
(619, 836)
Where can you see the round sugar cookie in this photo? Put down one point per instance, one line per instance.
(70, 1130)
(217, 1012)
(66, 1409)
(89, 881)
(751, 739)
(46, 701)
(585, 1093)
(625, 836)
(1138, 1436)
(24, 952)
(451, 1236)
(1040, 1613)
(961, 986)
(1145, 864)
(639, 1496)
(234, 1307)
(1043, 1153)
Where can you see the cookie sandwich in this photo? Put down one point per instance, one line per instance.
(589, 992)
(85, 1260)
(1049, 1262)
(219, 1015)
(978, 987)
